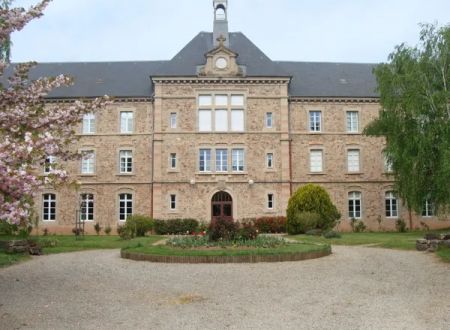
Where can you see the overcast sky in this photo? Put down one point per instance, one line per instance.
(296, 30)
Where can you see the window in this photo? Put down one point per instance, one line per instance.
(205, 160)
(89, 123)
(269, 160)
(353, 160)
(221, 120)
(48, 167)
(125, 206)
(126, 161)
(352, 121)
(173, 120)
(428, 208)
(270, 201)
(221, 113)
(88, 162)
(315, 121)
(315, 158)
(126, 122)
(173, 202)
(354, 205)
(391, 205)
(269, 120)
(87, 207)
(221, 160)
(49, 207)
(388, 168)
(237, 120)
(238, 160)
(173, 161)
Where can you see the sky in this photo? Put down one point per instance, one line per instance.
(362, 31)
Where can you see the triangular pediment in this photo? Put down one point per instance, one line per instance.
(221, 62)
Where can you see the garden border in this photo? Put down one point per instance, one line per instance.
(296, 256)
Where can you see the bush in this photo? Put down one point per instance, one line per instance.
(248, 232)
(108, 230)
(271, 224)
(312, 199)
(138, 225)
(400, 225)
(123, 232)
(301, 222)
(176, 226)
(332, 234)
(358, 226)
(77, 231)
(97, 228)
(8, 229)
(48, 242)
(222, 229)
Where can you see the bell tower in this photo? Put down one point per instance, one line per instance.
(220, 22)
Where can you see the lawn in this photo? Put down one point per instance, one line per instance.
(10, 259)
(390, 240)
(444, 254)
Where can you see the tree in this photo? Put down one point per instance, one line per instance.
(305, 203)
(415, 118)
(30, 128)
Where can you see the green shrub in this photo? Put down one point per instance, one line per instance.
(8, 229)
(247, 232)
(222, 229)
(123, 232)
(301, 222)
(138, 225)
(176, 226)
(108, 230)
(400, 225)
(332, 234)
(97, 228)
(358, 226)
(312, 199)
(48, 242)
(271, 224)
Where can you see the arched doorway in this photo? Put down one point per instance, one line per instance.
(222, 206)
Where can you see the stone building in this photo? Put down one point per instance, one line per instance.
(222, 130)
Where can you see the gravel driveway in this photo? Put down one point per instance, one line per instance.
(355, 288)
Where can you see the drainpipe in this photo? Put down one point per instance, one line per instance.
(290, 147)
(152, 109)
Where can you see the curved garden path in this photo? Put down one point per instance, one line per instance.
(355, 288)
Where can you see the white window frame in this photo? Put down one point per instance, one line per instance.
(238, 160)
(173, 202)
(352, 121)
(314, 156)
(126, 165)
(315, 121)
(270, 201)
(88, 162)
(89, 123)
(48, 168)
(126, 122)
(269, 160)
(269, 119)
(354, 205)
(428, 209)
(387, 164)
(204, 160)
(173, 120)
(221, 160)
(173, 161)
(391, 205)
(353, 160)
(127, 200)
(87, 207)
(49, 207)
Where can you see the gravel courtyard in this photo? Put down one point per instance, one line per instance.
(355, 288)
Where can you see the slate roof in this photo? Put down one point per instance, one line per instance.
(132, 79)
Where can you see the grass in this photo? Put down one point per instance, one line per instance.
(10, 259)
(164, 250)
(444, 253)
(390, 240)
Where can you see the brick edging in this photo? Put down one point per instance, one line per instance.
(296, 256)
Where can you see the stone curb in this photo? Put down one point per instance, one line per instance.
(225, 259)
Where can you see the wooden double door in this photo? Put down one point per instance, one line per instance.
(222, 206)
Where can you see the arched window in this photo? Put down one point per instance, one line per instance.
(221, 14)
(354, 205)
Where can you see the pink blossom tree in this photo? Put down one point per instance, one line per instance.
(32, 129)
